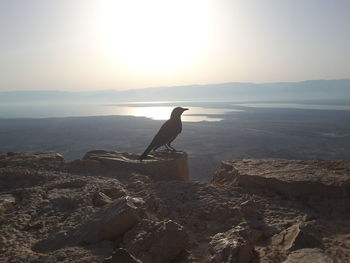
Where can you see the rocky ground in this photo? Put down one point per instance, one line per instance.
(109, 207)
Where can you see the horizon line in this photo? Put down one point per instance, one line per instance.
(174, 86)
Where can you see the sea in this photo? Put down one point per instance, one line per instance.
(198, 111)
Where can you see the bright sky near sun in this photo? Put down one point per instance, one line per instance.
(115, 44)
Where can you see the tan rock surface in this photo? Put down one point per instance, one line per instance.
(156, 242)
(121, 255)
(233, 246)
(84, 210)
(161, 165)
(7, 201)
(308, 255)
(289, 177)
(300, 235)
(108, 223)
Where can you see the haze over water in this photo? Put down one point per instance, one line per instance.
(152, 110)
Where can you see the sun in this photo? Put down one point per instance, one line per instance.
(154, 35)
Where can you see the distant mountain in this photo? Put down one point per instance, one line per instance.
(234, 91)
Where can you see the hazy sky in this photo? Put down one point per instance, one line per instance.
(106, 44)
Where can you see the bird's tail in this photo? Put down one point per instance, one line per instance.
(149, 148)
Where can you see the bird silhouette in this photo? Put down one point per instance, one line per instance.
(167, 133)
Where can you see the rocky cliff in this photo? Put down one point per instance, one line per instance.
(109, 207)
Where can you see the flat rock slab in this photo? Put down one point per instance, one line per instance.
(308, 255)
(291, 177)
(298, 236)
(160, 165)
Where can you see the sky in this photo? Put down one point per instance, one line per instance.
(78, 45)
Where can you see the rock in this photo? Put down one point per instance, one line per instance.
(76, 183)
(100, 199)
(291, 178)
(159, 165)
(308, 255)
(121, 255)
(3, 155)
(249, 207)
(233, 246)
(301, 235)
(114, 191)
(156, 242)
(109, 223)
(6, 201)
(61, 216)
(64, 200)
(19, 177)
(30, 158)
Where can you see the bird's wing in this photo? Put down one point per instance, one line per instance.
(166, 133)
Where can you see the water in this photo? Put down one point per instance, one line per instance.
(154, 111)
(295, 106)
(199, 111)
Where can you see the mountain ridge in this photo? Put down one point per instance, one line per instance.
(309, 89)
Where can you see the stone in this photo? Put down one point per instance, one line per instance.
(109, 223)
(121, 255)
(292, 178)
(156, 242)
(77, 183)
(159, 165)
(100, 199)
(30, 158)
(297, 236)
(7, 201)
(114, 191)
(249, 207)
(308, 255)
(233, 246)
(61, 216)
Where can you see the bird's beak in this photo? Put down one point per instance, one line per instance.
(184, 109)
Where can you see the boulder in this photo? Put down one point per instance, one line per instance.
(308, 255)
(161, 165)
(301, 235)
(292, 178)
(109, 223)
(156, 242)
(233, 246)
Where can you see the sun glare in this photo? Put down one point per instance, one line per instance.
(155, 35)
(155, 113)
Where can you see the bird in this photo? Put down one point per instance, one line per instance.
(167, 133)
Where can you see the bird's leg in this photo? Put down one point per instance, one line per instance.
(155, 149)
(171, 147)
(167, 147)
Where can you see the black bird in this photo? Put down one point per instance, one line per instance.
(167, 133)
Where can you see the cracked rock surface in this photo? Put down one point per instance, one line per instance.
(92, 211)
